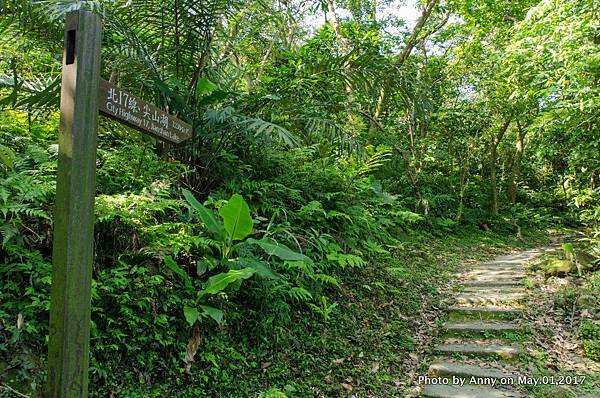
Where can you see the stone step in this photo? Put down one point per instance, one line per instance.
(515, 257)
(481, 326)
(508, 261)
(514, 261)
(488, 288)
(494, 276)
(488, 298)
(485, 310)
(493, 295)
(466, 371)
(489, 276)
(480, 350)
(455, 391)
(482, 290)
(495, 271)
(493, 283)
(499, 265)
(491, 273)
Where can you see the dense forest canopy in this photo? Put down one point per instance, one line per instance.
(339, 131)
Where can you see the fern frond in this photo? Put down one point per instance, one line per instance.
(299, 294)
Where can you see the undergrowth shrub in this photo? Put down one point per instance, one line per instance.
(319, 231)
(589, 333)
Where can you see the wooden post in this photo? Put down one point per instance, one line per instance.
(72, 257)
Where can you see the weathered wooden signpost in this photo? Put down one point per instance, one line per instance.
(83, 95)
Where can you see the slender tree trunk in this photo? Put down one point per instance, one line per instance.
(563, 184)
(414, 182)
(463, 179)
(177, 43)
(345, 50)
(463, 186)
(495, 141)
(264, 60)
(410, 44)
(516, 166)
(493, 184)
(412, 164)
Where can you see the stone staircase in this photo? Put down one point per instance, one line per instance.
(472, 360)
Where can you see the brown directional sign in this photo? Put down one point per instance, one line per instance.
(128, 109)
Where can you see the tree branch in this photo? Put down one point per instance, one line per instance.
(404, 55)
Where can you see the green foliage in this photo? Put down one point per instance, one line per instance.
(27, 186)
(592, 349)
(207, 216)
(325, 164)
(273, 248)
(324, 308)
(141, 169)
(236, 225)
(273, 393)
(568, 250)
(589, 333)
(236, 218)
(192, 314)
(589, 330)
(219, 282)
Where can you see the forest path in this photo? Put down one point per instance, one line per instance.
(482, 336)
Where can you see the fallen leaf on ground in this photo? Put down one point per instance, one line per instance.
(347, 386)
(191, 349)
(374, 367)
(265, 365)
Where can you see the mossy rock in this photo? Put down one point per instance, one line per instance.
(558, 267)
(587, 302)
(587, 261)
(564, 299)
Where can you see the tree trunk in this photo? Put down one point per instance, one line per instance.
(345, 50)
(414, 182)
(410, 44)
(493, 184)
(496, 139)
(461, 203)
(463, 182)
(516, 166)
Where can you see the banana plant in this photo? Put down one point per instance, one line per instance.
(230, 231)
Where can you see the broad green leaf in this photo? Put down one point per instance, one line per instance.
(201, 267)
(568, 248)
(173, 266)
(191, 315)
(274, 248)
(219, 282)
(262, 268)
(7, 156)
(213, 312)
(205, 86)
(206, 215)
(207, 263)
(236, 217)
(177, 102)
